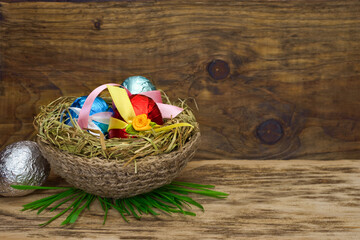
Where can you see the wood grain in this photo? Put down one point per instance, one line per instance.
(295, 63)
(268, 200)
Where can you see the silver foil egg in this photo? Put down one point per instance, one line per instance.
(21, 163)
(138, 84)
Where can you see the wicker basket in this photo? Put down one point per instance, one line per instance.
(107, 178)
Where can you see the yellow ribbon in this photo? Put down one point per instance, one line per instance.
(123, 105)
(116, 124)
(166, 128)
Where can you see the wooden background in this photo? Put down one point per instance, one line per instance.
(273, 79)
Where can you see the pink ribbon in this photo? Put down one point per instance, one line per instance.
(167, 111)
(85, 110)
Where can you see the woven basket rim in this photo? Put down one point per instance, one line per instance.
(116, 163)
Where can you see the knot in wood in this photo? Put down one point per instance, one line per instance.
(218, 69)
(270, 131)
(97, 24)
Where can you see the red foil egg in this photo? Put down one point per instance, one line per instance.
(142, 105)
(118, 133)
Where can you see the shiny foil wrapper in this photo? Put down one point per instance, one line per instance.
(21, 163)
(118, 133)
(138, 84)
(145, 105)
(99, 105)
(142, 105)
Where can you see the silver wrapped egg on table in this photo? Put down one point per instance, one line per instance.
(21, 163)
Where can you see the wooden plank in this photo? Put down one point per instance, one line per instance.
(268, 200)
(77, 1)
(291, 90)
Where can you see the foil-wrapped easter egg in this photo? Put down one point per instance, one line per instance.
(21, 163)
(138, 84)
(145, 105)
(99, 105)
(141, 105)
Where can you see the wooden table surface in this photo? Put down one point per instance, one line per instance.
(273, 199)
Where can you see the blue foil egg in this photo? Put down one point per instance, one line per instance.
(99, 105)
(138, 84)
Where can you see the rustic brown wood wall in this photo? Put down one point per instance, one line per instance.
(273, 79)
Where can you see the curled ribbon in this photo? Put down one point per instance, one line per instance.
(102, 117)
(124, 106)
(122, 102)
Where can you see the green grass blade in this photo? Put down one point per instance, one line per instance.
(178, 191)
(162, 202)
(121, 201)
(192, 185)
(60, 214)
(184, 212)
(58, 197)
(158, 205)
(106, 211)
(142, 200)
(123, 210)
(130, 207)
(101, 202)
(65, 201)
(140, 208)
(186, 199)
(205, 192)
(89, 200)
(170, 200)
(38, 203)
(75, 207)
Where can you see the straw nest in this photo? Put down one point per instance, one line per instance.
(115, 168)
